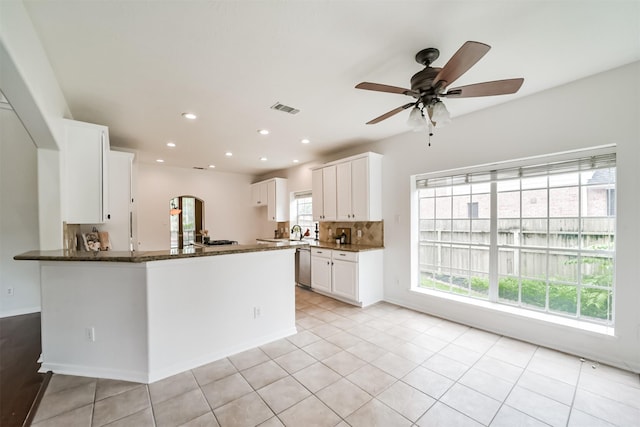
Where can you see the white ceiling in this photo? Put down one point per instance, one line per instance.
(135, 66)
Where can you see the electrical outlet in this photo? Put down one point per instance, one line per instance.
(90, 334)
(9, 292)
(256, 312)
(359, 233)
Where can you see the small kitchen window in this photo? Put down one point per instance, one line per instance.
(302, 212)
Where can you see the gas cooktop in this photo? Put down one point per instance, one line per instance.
(220, 242)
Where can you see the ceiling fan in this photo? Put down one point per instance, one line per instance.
(431, 84)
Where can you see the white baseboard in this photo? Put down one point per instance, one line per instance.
(93, 372)
(19, 311)
(159, 374)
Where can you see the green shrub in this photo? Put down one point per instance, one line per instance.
(534, 292)
(563, 298)
(480, 285)
(595, 303)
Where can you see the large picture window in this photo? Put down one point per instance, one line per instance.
(539, 237)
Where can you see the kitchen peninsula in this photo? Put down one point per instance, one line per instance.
(144, 316)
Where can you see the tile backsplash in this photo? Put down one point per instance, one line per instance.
(372, 232)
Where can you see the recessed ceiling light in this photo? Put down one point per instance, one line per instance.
(160, 161)
(228, 154)
(263, 159)
(212, 166)
(263, 131)
(189, 116)
(171, 144)
(305, 141)
(296, 161)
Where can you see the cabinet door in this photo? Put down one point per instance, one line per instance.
(118, 222)
(317, 195)
(259, 194)
(321, 273)
(86, 171)
(255, 194)
(360, 190)
(345, 279)
(264, 193)
(329, 193)
(343, 192)
(271, 201)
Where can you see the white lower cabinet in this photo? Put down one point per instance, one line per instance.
(354, 277)
(321, 270)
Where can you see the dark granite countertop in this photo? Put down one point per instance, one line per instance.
(146, 256)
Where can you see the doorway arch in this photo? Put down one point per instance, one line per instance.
(186, 221)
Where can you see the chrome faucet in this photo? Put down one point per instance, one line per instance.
(298, 229)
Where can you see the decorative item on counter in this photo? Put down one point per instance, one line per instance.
(343, 238)
(296, 232)
(307, 233)
(91, 241)
(205, 236)
(317, 232)
(105, 242)
(275, 234)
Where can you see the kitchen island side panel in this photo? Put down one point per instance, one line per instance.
(206, 308)
(94, 319)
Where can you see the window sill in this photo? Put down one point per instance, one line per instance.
(522, 313)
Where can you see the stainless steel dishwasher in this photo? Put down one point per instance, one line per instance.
(303, 267)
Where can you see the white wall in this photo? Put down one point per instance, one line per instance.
(226, 196)
(598, 110)
(18, 217)
(29, 83)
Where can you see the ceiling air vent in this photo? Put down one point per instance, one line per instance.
(199, 168)
(284, 108)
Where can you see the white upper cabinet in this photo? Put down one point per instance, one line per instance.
(272, 193)
(366, 188)
(259, 194)
(277, 200)
(120, 219)
(356, 192)
(85, 173)
(323, 190)
(317, 195)
(343, 191)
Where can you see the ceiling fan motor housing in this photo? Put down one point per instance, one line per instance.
(421, 83)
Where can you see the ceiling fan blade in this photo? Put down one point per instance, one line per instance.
(390, 113)
(384, 88)
(460, 62)
(497, 87)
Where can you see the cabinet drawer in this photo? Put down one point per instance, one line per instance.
(322, 253)
(346, 256)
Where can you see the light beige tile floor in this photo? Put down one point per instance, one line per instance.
(379, 366)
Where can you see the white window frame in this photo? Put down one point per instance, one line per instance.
(294, 211)
(492, 300)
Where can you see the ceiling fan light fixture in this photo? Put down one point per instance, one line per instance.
(440, 115)
(416, 120)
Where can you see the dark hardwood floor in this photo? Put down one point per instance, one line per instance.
(20, 381)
